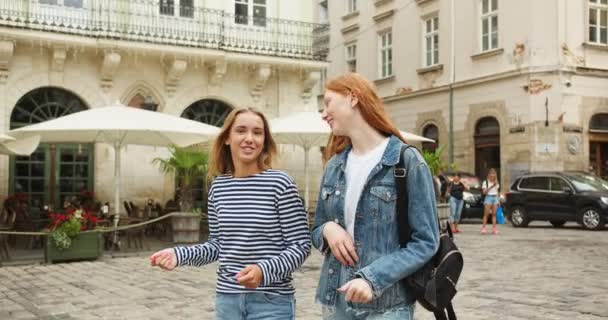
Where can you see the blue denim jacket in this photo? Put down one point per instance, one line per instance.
(381, 260)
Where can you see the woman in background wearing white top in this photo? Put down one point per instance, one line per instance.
(490, 188)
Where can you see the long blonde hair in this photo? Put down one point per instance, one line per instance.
(370, 105)
(221, 157)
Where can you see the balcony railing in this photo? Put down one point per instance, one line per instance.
(153, 22)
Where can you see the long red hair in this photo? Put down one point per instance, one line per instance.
(370, 105)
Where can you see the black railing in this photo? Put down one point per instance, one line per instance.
(163, 22)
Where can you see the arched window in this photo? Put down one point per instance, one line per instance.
(44, 104)
(432, 132)
(599, 122)
(54, 173)
(146, 103)
(209, 111)
(487, 146)
(487, 126)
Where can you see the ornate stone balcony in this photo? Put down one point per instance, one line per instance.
(150, 21)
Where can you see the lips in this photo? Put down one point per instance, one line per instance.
(248, 149)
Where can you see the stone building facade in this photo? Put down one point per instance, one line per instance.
(197, 59)
(516, 85)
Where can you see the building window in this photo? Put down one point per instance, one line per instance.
(352, 5)
(65, 3)
(167, 7)
(143, 102)
(432, 132)
(351, 57)
(323, 13)
(386, 55)
(431, 41)
(598, 21)
(489, 25)
(208, 111)
(258, 12)
(185, 8)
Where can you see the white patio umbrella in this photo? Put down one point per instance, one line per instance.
(4, 138)
(308, 129)
(21, 147)
(119, 126)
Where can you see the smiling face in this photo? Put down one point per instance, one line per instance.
(246, 139)
(339, 112)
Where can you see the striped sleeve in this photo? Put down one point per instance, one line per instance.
(294, 227)
(204, 253)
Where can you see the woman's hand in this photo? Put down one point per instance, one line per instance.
(357, 291)
(340, 243)
(165, 259)
(250, 277)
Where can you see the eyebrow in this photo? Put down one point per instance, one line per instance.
(246, 127)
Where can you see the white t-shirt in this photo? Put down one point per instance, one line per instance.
(358, 168)
(491, 191)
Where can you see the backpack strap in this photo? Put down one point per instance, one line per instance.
(405, 232)
(402, 198)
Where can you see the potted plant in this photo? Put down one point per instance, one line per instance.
(186, 164)
(66, 241)
(436, 165)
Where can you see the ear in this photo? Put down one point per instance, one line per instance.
(353, 101)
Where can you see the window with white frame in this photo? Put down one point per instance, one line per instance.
(431, 41)
(351, 57)
(65, 3)
(185, 8)
(489, 25)
(352, 5)
(385, 54)
(598, 21)
(242, 9)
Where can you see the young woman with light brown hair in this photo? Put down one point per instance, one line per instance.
(258, 229)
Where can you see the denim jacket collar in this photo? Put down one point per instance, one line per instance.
(390, 157)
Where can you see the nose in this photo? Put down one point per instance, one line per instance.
(249, 137)
(324, 114)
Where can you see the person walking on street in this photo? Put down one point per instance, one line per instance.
(258, 226)
(455, 192)
(490, 188)
(356, 221)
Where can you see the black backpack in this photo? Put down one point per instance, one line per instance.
(434, 285)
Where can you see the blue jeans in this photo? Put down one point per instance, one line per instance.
(344, 311)
(455, 209)
(254, 306)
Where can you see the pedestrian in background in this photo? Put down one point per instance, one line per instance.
(455, 191)
(490, 188)
(356, 221)
(258, 226)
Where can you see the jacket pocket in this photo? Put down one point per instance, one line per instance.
(383, 200)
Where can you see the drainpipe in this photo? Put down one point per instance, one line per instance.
(452, 80)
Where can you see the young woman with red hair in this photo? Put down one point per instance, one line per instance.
(355, 219)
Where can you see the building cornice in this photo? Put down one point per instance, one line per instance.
(75, 41)
(483, 79)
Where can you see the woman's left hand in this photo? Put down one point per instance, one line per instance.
(357, 291)
(250, 277)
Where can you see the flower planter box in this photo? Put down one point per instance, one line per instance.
(86, 246)
(186, 227)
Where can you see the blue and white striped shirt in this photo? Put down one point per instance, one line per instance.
(257, 219)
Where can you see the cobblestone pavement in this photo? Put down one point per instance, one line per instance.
(534, 273)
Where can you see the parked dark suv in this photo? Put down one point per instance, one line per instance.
(559, 197)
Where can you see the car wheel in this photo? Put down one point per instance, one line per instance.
(519, 217)
(591, 219)
(558, 223)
